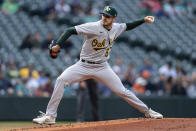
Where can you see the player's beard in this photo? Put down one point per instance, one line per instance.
(107, 23)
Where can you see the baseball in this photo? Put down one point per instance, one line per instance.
(151, 19)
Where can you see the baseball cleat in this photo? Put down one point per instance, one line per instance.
(153, 114)
(44, 119)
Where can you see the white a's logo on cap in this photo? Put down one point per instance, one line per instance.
(107, 8)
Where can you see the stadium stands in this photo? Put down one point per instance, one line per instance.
(165, 40)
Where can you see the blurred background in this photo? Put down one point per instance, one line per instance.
(156, 61)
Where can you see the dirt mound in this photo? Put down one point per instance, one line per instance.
(136, 124)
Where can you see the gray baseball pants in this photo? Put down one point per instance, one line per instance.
(101, 72)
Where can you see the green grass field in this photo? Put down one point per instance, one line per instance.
(6, 125)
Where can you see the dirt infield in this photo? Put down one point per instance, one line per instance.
(136, 124)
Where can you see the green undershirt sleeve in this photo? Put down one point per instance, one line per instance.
(66, 34)
(132, 25)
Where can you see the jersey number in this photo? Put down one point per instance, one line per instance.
(107, 51)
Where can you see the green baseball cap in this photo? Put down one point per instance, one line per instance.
(110, 11)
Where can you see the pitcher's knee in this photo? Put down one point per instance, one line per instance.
(59, 79)
(62, 80)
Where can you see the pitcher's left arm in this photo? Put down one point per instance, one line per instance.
(132, 25)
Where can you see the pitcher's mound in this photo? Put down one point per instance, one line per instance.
(136, 124)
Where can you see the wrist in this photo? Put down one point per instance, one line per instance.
(144, 20)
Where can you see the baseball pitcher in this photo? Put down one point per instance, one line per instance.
(98, 42)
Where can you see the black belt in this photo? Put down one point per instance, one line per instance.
(89, 62)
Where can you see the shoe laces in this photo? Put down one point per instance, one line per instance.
(41, 114)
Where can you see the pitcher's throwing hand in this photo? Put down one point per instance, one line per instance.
(149, 19)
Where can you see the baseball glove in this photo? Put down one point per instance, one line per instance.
(53, 54)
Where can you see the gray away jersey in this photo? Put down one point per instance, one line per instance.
(98, 40)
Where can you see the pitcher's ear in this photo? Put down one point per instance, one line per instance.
(114, 19)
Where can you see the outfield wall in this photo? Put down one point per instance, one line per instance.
(26, 108)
